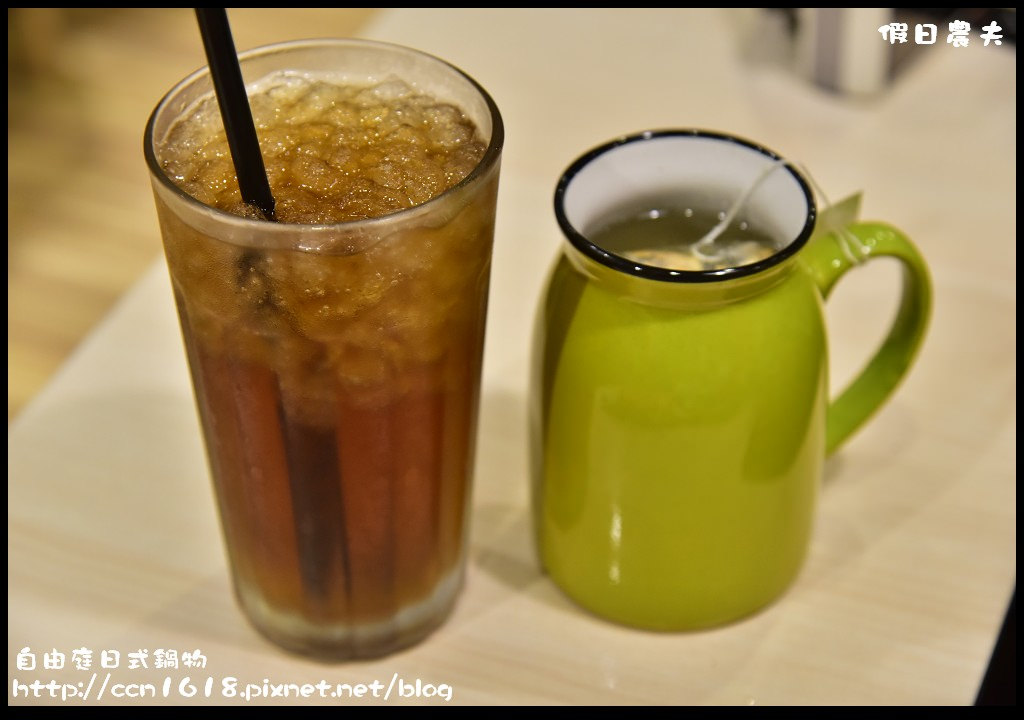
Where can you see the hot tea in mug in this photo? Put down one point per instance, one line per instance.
(679, 401)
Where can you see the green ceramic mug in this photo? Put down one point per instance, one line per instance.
(680, 419)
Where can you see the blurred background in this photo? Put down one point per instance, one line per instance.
(80, 225)
(81, 83)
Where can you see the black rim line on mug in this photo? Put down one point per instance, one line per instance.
(651, 272)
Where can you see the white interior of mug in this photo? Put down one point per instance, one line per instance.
(704, 170)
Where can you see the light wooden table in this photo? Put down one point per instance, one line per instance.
(112, 538)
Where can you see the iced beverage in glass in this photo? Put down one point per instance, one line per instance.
(336, 352)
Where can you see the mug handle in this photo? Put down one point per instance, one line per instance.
(828, 257)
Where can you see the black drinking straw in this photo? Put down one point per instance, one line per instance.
(234, 109)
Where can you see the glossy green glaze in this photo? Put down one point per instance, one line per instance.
(678, 430)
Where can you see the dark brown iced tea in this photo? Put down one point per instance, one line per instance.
(336, 362)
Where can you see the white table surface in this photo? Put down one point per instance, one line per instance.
(113, 541)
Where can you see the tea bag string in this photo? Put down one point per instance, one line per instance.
(707, 243)
(850, 245)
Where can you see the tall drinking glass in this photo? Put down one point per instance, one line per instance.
(336, 369)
